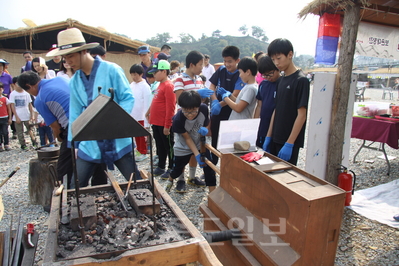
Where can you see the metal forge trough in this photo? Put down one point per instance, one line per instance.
(188, 244)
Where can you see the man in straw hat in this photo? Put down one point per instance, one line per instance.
(92, 73)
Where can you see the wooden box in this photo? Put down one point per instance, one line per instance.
(286, 216)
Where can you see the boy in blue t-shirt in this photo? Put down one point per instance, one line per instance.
(286, 132)
(266, 96)
(189, 124)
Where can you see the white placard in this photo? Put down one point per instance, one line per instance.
(377, 41)
(319, 124)
(231, 131)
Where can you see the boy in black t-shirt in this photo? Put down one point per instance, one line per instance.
(287, 126)
(189, 124)
(227, 77)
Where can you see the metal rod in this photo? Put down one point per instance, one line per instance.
(75, 173)
(152, 186)
(128, 184)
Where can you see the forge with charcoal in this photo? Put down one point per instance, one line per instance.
(120, 237)
(110, 229)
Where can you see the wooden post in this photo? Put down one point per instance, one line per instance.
(341, 91)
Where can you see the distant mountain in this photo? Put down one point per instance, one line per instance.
(2, 28)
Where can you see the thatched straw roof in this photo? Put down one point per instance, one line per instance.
(383, 12)
(41, 38)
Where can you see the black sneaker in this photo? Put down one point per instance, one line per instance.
(158, 171)
(165, 176)
(14, 136)
(196, 182)
(24, 148)
(35, 145)
(181, 186)
(169, 186)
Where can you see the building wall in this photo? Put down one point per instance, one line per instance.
(124, 60)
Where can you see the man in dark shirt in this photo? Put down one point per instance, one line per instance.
(55, 63)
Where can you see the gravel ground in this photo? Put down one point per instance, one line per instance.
(362, 241)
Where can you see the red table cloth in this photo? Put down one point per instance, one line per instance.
(376, 130)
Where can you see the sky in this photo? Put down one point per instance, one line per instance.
(142, 20)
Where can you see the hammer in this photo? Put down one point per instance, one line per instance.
(9, 176)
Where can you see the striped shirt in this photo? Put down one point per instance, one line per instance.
(185, 82)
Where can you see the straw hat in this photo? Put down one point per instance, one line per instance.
(70, 41)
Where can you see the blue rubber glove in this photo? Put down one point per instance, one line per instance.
(199, 161)
(266, 144)
(205, 92)
(215, 107)
(203, 131)
(222, 92)
(286, 151)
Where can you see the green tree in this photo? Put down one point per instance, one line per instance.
(203, 37)
(216, 33)
(258, 32)
(186, 38)
(160, 39)
(243, 29)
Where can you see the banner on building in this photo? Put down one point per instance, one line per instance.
(377, 41)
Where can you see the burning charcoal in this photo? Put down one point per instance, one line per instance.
(131, 214)
(93, 226)
(146, 235)
(100, 220)
(161, 226)
(89, 239)
(121, 214)
(151, 224)
(70, 245)
(63, 237)
(60, 254)
(93, 232)
(100, 199)
(124, 246)
(109, 204)
(99, 248)
(99, 230)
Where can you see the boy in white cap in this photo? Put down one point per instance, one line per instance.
(92, 73)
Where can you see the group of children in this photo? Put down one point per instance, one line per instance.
(180, 119)
(279, 100)
(16, 110)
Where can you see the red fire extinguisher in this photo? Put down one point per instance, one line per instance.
(347, 181)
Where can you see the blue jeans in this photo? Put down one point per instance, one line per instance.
(43, 132)
(85, 169)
